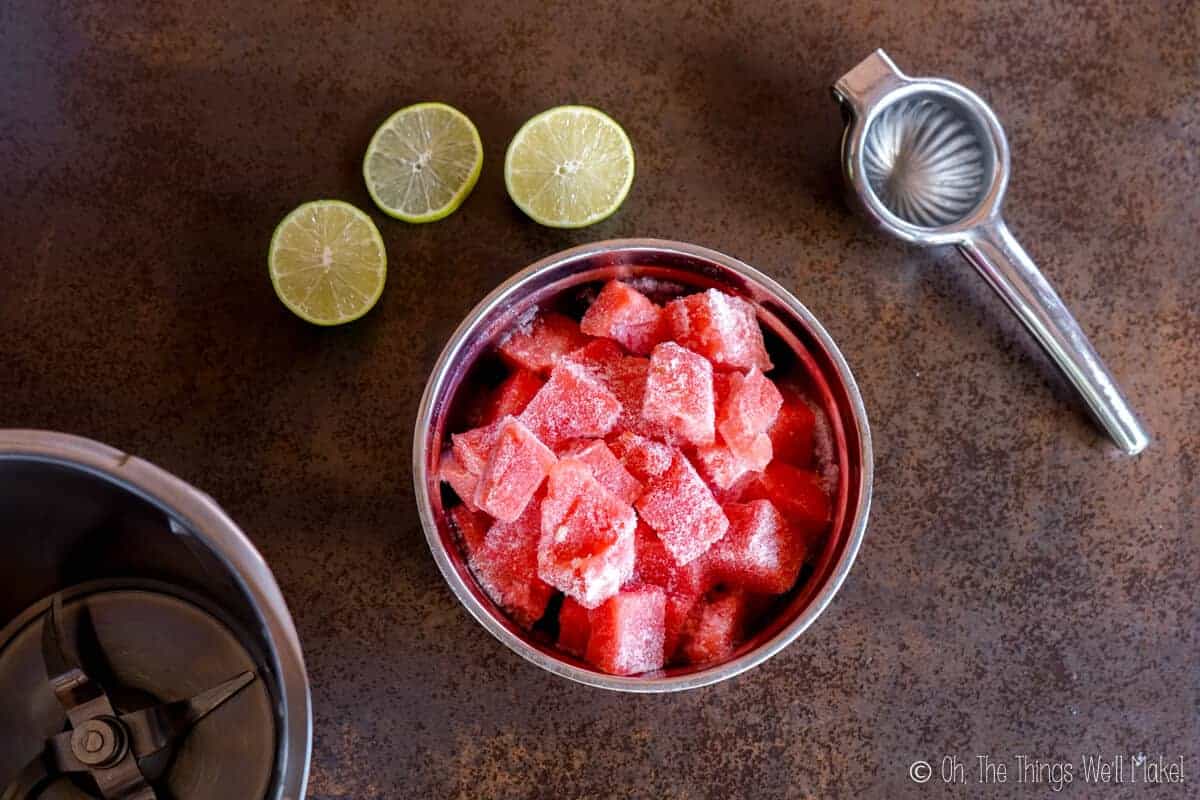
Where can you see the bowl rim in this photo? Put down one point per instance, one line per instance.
(858, 515)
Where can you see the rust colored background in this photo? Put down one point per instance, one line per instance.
(1022, 588)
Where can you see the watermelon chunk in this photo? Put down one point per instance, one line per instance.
(627, 635)
(461, 481)
(715, 628)
(679, 506)
(655, 565)
(472, 527)
(626, 316)
(606, 468)
(587, 545)
(643, 457)
(679, 393)
(679, 609)
(572, 405)
(760, 553)
(624, 376)
(749, 410)
(574, 627)
(511, 396)
(516, 467)
(797, 493)
(538, 343)
(471, 447)
(793, 432)
(722, 328)
(506, 567)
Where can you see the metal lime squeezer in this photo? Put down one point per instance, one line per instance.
(929, 164)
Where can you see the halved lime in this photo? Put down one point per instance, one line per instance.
(569, 167)
(327, 262)
(423, 162)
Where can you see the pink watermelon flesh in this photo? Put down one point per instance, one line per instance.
(679, 506)
(538, 343)
(721, 327)
(679, 393)
(628, 632)
(572, 405)
(643, 457)
(506, 567)
(472, 527)
(747, 414)
(626, 316)
(471, 448)
(587, 546)
(714, 628)
(761, 552)
(574, 626)
(606, 468)
(656, 566)
(516, 467)
(461, 481)
(792, 434)
(511, 396)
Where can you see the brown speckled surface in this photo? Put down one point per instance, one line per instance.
(1022, 588)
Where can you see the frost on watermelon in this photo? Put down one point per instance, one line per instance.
(624, 376)
(679, 506)
(798, 494)
(643, 457)
(722, 328)
(606, 467)
(750, 407)
(679, 609)
(537, 343)
(679, 393)
(516, 466)
(715, 628)
(572, 405)
(627, 632)
(587, 546)
(511, 396)
(626, 316)
(655, 565)
(760, 553)
(471, 447)
(460, 479)
(574, 626)
(472, 527)
(792, 435)
(506, 567)
(723, 469)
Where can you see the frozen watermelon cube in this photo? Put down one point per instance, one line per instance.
(598, 356)
(471, 447)
(679, 506)
(460, 479)
(679, 609)
(715, 628)
(587, 544)
(643, 457)
(537, 343)
(506, 567)
(606, 467)
(472, 527)
(792, 433)
(572, 405)
(679, 393)
(511, 396)
(760, 553)
(627, 635)
(798, 494)
(574, 626)
(721, 327)
(627, 316)
(516, 467)
(749, 410)
(655, 565)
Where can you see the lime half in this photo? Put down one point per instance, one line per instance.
(423, 162)
(327, 262)
(569, 167)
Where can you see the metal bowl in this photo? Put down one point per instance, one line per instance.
(791, 329)
(77, 513)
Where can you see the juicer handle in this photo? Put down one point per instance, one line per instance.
(1008, 269)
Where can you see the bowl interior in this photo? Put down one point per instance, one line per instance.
(797, 345)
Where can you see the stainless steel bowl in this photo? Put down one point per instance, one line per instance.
(77, 512)
(696, 268)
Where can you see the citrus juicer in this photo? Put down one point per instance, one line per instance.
(929, 163)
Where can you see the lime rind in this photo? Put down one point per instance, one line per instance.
(552, 164)
(460, 161)
(357, 286)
